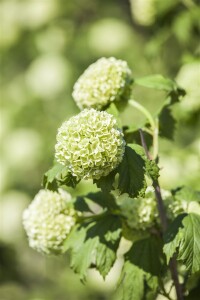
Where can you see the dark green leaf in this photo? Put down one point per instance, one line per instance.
(131, 283)
(167, 123)
(157, 82)
(94, 244)
(66, 178)
(151, 167)
(131, 173)
(146, 254)
(185, 238)
(104, 200)
(138, 149)
(81, 204)
(174, 96)
(132, 135)
(105, 183)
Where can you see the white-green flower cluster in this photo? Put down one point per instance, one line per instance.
(175, 207)
(48, 220)
(144, 11)
(105, 81)
(140, 213)
(90, 144)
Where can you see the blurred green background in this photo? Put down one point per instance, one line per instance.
(45, 46)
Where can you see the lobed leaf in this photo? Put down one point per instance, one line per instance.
(131, 173)
(167, 123)
(131, 283)
(189, 248)
(187, 194)
(94, 244)
(146, 254)
(183, 237)
(57, 176)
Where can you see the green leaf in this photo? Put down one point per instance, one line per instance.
(189, 248)
(186, 241)
(94, 244)
(152, 286)
(132, 135)
(112, 109)
(66, 178)
(157, 82)
(81, 204)
(105, 183)
(104, 200)
(131, 283)
(57, 176)
(174, 96)
(49, 179)
(186, 194)
(151, 167)
(167, 123)
(171, 237)
(146, 254)
(131, 173)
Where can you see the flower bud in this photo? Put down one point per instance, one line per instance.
(105, 81)
(48, 220)
(90, 144)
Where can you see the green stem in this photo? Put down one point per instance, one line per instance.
(153, 124)
(155, 139)
(143, 110)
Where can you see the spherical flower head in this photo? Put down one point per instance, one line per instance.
(48, 220)
(90, 144)
(105, 81)
(140, 213)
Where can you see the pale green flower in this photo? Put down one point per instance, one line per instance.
(176, 206)
(140, 213)
(48, 220)
(90, 144)
(105, 81)
(144, 11)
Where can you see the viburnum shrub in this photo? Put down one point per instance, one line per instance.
(163, 227)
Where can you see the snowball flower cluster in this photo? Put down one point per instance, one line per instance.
(90, 144)
(140, 213)
(105, 81)
(175, 207)
(48, 220)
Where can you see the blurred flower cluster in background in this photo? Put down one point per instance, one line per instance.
(45, 46)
